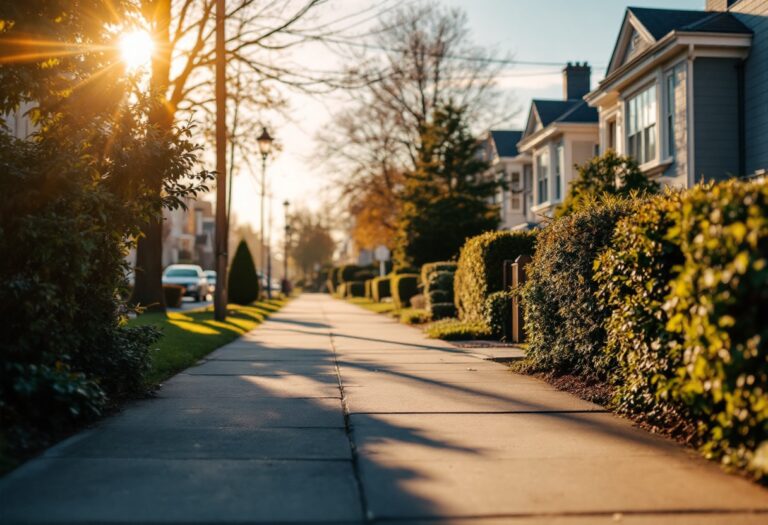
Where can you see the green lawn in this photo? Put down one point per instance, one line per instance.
(379, 308)
(191, 335)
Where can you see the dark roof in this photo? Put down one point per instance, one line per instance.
(550, 111)
(660, 22)
(506, 142)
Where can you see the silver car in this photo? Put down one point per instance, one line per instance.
(190, 277)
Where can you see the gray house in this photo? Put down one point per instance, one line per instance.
(686, 92)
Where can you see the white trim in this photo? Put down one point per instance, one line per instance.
(690, 106)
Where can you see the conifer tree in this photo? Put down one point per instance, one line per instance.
(243, 286)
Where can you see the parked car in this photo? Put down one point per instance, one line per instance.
(190, 277)
(210, 275)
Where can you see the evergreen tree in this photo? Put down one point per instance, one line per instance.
(446, 199)
(610, 174)
(243, 286)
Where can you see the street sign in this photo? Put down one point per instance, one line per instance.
(381, 253)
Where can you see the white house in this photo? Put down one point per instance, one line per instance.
(559, 134)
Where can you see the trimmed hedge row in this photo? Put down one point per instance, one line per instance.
(403, 287)
(437, 284)
(480, 271)
(666, 300)
(380, 288)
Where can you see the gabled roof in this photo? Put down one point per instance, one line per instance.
(655, 24)
(660, 22)
(548, 112)
(506, 142)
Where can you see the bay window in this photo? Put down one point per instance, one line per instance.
(641, 126)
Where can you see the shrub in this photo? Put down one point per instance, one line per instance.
(356, 289)
(563, 321)
(341, 290)
(442, 310)
(243, 284)
(369, 289)
(440, 296)
(430, 268)
(633, 277)
(330, 282)
(381, 288)
(441, 280)
(347, 272)
(414, 316)
(719, 306)
(498, 314)
(404, 286)
(480, 272)
(364, 275)
(173, 294)
(456, 330)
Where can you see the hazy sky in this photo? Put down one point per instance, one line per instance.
(530, 30)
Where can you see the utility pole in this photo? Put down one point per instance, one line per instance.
(222, 223)
(285, 251)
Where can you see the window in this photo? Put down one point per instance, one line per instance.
(612, 135)
(515, 191)
(542, 177)
(641, 126)
(671, 86)
(559, 162)
(528, 186)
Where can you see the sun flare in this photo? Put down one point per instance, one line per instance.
(136, 48)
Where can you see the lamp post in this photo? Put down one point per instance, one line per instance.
(265, 147)
(287, 240)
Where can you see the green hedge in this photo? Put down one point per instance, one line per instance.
(356, 289)
(480, 270)
(369, 289)
(563, 321)
(380, 288)
(440, 296)
(403, 287)
(433, 267)
(456, 330)
(242, 281)
(633, 276)
(442, 310)
(498, 314)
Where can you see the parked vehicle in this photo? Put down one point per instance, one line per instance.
(190, 277)
(210, 275)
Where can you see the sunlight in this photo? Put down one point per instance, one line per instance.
(136, 48)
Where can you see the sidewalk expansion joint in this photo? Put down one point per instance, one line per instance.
(481, 412)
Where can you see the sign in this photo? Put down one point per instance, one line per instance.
(381, 253)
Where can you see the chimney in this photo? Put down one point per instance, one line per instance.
(719, 5)
(577, 80)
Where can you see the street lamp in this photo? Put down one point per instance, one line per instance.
(285, 255)
(265, 148)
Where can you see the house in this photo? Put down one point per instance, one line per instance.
(18, 123)
(686, 92)
(188, 234)
(559, 135)
(506, 163)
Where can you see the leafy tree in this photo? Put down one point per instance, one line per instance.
(243, 285)
(314, 244)
(445, 200)
(610, 174)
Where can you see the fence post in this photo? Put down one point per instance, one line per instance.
(518, 280)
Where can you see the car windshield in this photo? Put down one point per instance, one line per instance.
(179, 272)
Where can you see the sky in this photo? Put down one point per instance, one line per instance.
(551, 31)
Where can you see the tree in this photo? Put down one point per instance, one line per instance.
(608, 174)
(446, 198)
(314, 244)
(419, 57)
(243, 285)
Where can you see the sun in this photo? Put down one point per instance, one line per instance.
(136, 48)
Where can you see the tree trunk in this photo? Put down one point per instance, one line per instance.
(148, 286)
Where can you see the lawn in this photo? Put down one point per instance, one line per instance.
(191, 335)
(379, 308)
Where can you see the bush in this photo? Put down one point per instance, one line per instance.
(439, 296)
(719, 307)
(414, 316)
(380, 288)
(341, 290)
(330, 282)
(347, 272)
(480, 269)
(441, 280)
(498, 314)
(356, 289)
(243, 283)
(456, 330)
(173, 294)
(404, 286)
(442, 310)
(364, 275)
(430, 268)
(369, 289)
(564, 323)
(633, 277)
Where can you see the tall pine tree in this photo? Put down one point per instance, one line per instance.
(447, 198)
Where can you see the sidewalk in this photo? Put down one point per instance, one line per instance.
(329, 413)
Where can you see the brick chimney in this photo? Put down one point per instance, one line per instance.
(577, 80)
(719, 5)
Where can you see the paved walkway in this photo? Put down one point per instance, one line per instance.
(328, 413)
